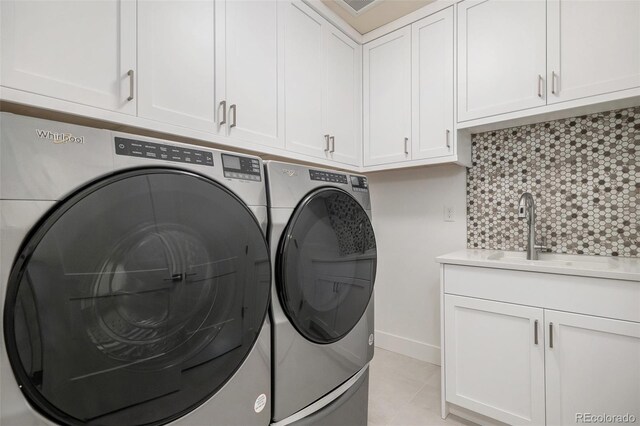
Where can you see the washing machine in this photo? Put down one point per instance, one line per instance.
(323, 252)
(135, 280)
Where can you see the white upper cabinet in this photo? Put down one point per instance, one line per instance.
(78, 51)
(592, 366)
(387, 98)
(501, 56)
(343, 101)
(494, 359)
(176, 63)
(249, 77)
(432, 87)
(303, 63)
(593, 48)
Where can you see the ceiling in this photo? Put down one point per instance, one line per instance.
(378, 14)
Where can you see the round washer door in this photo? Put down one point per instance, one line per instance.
(326, 265)
(136, 299)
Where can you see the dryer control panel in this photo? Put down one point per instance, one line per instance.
(238, 167)
(158, 151)
(327, 176)
(359, 184)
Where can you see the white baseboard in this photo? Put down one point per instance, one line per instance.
(409, 347)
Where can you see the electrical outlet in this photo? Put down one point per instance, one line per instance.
(449, 214)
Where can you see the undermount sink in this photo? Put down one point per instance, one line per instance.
(623, 268)
(553, 259)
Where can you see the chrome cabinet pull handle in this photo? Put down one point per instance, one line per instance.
(447, 133)
(406, 146)
(333, 144)
(131, 85)
(540, 80)
(553, 82)
(326, 143)
(551, 335)
(235, 112)
(535, 332)
(223, 106)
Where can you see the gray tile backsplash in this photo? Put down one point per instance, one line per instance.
(583, 172)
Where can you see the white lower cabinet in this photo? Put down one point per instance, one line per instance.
(495, 359)
(532, 365)
(592, 368)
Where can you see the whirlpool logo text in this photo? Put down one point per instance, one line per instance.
(59, 138)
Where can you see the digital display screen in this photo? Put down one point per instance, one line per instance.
(231, 162)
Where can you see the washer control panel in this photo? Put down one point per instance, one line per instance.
(238, 167)
(157, 151)
(359, 184)
(327, 176)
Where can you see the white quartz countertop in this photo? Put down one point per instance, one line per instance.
(619, 268)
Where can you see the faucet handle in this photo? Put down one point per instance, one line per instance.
(542, 246)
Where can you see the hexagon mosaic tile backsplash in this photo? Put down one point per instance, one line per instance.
(583, 172)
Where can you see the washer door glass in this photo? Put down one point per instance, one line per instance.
(327, 265)
(136, 299)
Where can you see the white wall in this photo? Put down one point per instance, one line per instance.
(408, 218)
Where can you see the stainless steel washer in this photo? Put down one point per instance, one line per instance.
(323, 251)
(135, 280)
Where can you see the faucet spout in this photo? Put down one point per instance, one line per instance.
(527, 209)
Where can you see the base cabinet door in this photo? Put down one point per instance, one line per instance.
(501, 56)
(432, 87)
(78, 51)
(494, 355)
(592, 368)
(176, 57)
(387, 98)
(249, 70)
(593, 47)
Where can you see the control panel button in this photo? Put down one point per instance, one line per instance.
(239, 167)
(134, 148)
(323, 176)
(359, 184)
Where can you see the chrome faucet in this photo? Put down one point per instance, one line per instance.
(527, 209)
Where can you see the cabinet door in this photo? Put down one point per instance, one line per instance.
(343, 100)
(494, 365)
(432, 88)
(78, 51)
(501, 56)
(593, 47)
(249, 46)
(176, 45)
(593, 366)
(387, 98)
(304, 65)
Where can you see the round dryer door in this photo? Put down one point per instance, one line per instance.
(326, 265)
(136, 299)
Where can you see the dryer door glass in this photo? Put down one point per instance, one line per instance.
(136, 299)
(326, 265)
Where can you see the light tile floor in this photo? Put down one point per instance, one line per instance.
(404, 391)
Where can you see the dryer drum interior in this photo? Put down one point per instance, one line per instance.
(136, 299)
(326, 265)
